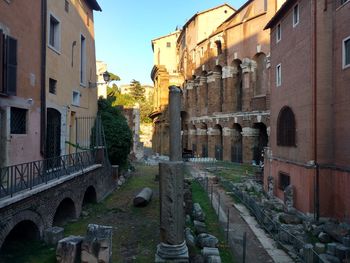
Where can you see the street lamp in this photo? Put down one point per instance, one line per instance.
(106, 76)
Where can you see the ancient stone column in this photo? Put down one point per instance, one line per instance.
(250, 139)
(227, 143)
(229, 75)
(172, 247)
(203, 96)
(213, 80)
(248, 68)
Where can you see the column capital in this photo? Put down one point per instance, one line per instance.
(229, 72)
(248, 65)
(201, 132)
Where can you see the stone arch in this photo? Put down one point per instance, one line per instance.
(260, 142)
(238, 85)
(26, 215)
(236, 143)
(259, 87)
(65, 211)
(90, 195)
(218, 141)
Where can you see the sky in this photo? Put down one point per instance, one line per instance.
(124, 30)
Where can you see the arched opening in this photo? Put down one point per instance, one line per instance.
(260, 143)
(64, 212)
(90, 196)
(236, 148)
(218, 69)
(218, 142)
(260, 74)
(19, 237)
(238, 85)
(53, 130)
(218, 47)
(286, 127)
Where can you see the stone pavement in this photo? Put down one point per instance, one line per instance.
(260, 248)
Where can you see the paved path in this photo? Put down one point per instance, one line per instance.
(260, 248)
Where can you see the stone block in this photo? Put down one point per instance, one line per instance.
(326, 258)
(69, 250)
(200, 227)
(207, 240)
(198, 213)
(97, 245)
(210, 251)
(53, 234)
(190, 240)
(346, 241)
(342, 251)
(331, 248)
(324, 237)
(213, 259)
(320, 248)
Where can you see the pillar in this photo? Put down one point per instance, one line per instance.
(250, 140)
(229, 75)
(213, 80)
(203, 96)
(172, 247)
(248, 70)
(227, 143)
(202, 140)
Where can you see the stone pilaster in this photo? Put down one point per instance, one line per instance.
(250, 140)
(202, 140)
(203, 95)
(229, 75)
(227, 143)
(248, 70)
(213, 80)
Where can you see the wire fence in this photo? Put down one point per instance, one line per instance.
(302, 250)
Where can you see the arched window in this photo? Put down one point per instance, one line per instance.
(286, 127)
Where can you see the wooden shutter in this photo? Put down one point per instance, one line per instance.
(11, 65)
(1, 62)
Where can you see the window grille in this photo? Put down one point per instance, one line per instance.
(286, 128)
(18, 121)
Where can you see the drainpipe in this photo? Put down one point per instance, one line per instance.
(43, 79)
(317, 174)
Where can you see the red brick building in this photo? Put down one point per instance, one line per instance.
(310, 76)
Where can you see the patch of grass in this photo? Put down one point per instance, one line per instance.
(213, 226)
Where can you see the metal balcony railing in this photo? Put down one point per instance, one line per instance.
(26, 176)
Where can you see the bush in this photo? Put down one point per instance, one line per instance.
(117, 132)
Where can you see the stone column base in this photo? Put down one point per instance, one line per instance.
(172, 253)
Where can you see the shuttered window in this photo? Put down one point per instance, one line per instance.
(8, 65)
(346, 53)
(286, 128)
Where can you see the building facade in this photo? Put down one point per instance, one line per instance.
(310, 76)
(71, 88)
(21, 84)
(164, 74)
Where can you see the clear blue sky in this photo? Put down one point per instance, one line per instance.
(124, 30)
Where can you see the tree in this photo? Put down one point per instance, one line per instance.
(117, 132)
(137, 91)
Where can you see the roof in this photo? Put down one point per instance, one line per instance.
(201, 13)
(94, 5)
(280, 13)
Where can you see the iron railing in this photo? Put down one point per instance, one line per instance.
(16, 178)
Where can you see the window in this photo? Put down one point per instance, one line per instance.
(52, 86)
(218, 47)
(286, 127)
(168, 44)
(278, 33)
(76, 98)
(295, 15)
(82, 60)
(66, 6)
(8, 64)
(283, 180)
(18, 121)
(278, 75)
(54, 33)
(346, 52)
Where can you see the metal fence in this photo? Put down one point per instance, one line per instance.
(16, 178)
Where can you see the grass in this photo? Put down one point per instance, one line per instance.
(213, 226)
(135, 230)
